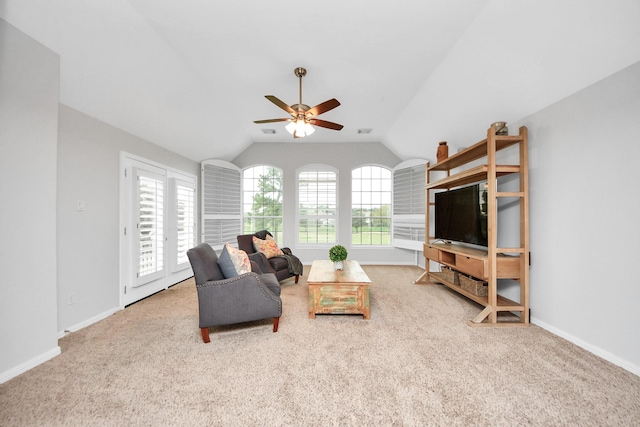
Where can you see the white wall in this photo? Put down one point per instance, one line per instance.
(29, 85)
(584, 211)
(344, 157)
(88, 240)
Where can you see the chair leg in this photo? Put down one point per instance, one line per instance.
(205, 334)
(297, 277)
(275, 324)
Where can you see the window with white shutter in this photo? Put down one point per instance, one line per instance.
(409, 204)
(221, 203)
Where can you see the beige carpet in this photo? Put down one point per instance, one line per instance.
(416, 362)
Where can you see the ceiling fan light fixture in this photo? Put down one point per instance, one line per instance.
(300, 128)
(308, 129)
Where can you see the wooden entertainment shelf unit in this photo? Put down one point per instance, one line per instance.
(493, 263)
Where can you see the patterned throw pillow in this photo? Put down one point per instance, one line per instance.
(268, 247)
(233, 262)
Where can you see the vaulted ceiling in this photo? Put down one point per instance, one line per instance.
(191, 75)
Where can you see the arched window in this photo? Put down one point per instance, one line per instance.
(317, 205)
(371, 194)
(262, 200)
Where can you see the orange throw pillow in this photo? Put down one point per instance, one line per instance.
(268, 247)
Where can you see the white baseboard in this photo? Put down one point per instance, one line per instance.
(32, 363)
(624, 364)
(89, 321)
(404, 263)
(29, 364)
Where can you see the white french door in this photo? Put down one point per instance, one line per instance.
(149, 233)
(183, 193)
(158, 226)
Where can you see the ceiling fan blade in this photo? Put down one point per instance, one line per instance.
(322, 108)
(272, 120)
(325, 124)
(280, 104)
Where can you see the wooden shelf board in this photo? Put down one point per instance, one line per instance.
(504, 304)
(517, 194)
(475, 152)
(514, 307)
(470, 251)
(510, 250)
(459, 249)
(508, 265)
(510, 324)
(470, 176)
(437, 277)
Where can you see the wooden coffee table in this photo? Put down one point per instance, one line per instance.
(338, 291)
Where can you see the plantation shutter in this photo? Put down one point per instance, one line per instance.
(409, 205)
(221, 203)
(185, 194)
(149, 208)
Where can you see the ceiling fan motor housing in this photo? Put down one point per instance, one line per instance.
(300, 107)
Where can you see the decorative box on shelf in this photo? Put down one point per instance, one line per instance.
(450, 275)
(473, 285)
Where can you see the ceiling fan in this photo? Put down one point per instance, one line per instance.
(303, 116)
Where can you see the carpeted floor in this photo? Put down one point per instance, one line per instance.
(415, 363)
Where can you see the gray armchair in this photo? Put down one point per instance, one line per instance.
(277, 265)
(244, 298)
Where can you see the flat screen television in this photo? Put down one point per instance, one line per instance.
(461, 215)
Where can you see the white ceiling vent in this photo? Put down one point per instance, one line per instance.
(364, 130)
(269, 131)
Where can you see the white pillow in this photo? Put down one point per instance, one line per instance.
(233, 262)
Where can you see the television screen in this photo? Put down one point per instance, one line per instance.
(461, 215)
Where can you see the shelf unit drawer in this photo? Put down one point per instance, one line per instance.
(508, 267)
(472, 266)
(431, 252)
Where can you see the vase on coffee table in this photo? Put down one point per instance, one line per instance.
(338, 254)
